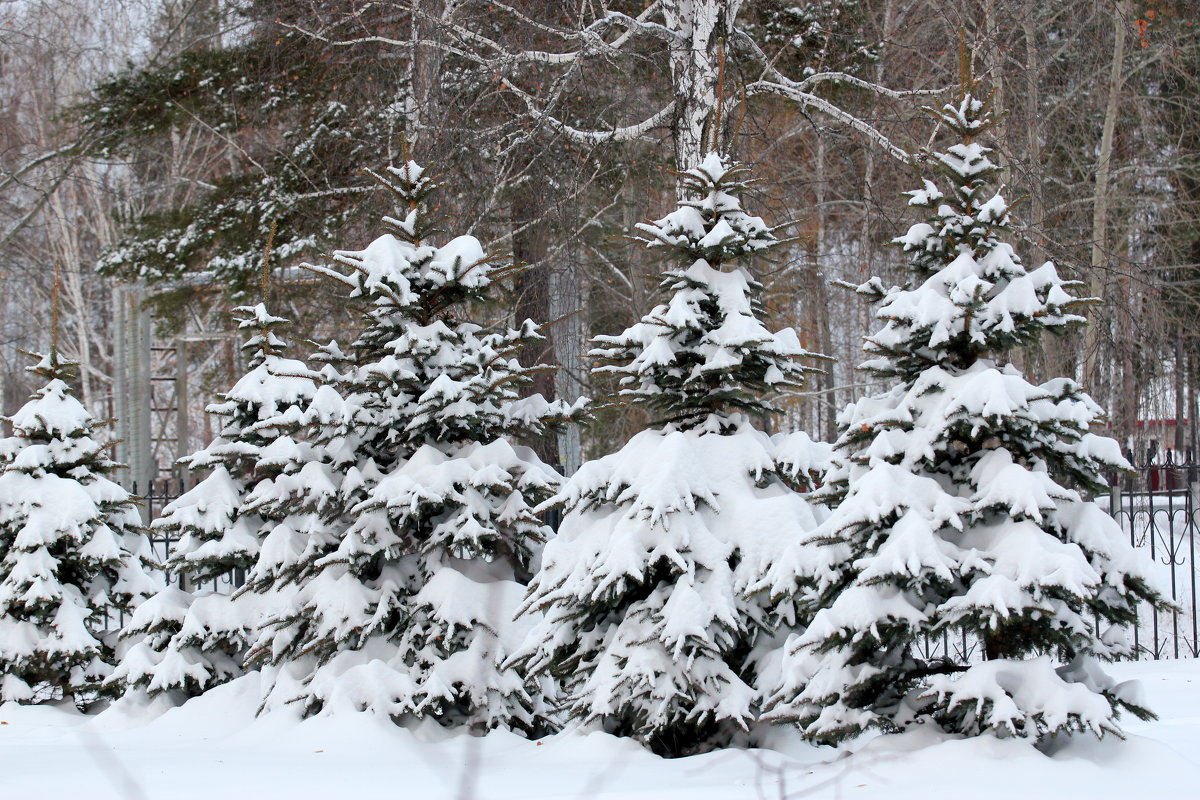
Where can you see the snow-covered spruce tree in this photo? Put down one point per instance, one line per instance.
(958, 500)
(404, 603)
(73, 554)
(191, 637)
(647, 623)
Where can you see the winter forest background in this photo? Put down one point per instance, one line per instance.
(349, 276)
(162, 149)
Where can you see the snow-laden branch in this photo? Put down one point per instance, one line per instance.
(631, 23)
(340, 191)
(641, 24)
(590, 38)
(770, 73)
(607, 262)
(17, 226)
(842, 77)
(321, 269)
(386, 40)
(774, 82)
(625, 133)
(825, 106)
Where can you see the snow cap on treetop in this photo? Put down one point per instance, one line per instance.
(705, 350)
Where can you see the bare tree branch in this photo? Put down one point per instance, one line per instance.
(626, 133)
(828, 108)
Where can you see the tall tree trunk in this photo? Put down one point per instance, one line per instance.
(422, 73)
(1055, 357)
(825, 423)
(566, 304)
(994, 66)
(1101, 205)
(702, 24)
(531, 237)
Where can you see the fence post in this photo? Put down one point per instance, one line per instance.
(1114, 503)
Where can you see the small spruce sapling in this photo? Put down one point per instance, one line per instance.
(73, 555)
(193, 636)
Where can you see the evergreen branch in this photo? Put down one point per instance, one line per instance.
(329, 273)
(455, 283)
(612, 404)
(504, 273)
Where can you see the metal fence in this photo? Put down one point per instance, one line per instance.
(153, 501)
(1158, 507)
(160, 494)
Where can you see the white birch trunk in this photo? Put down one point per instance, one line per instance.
(702, 24)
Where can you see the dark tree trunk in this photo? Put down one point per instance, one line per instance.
(531, 237)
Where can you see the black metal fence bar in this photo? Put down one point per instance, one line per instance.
(159, 496)
(1158, 506)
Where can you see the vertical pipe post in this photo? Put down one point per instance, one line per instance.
(120, 390)
(181, 404)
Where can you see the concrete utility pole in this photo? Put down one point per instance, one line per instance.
(134, 379)
(132, 392)
(181, 399)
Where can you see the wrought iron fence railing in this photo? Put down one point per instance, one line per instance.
(159, 495)
(1158, 507)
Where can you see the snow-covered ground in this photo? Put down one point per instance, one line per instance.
(214, 747)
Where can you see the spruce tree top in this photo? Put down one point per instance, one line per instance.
(264, 403)
(53, 431)
(404, 271)
(971, 296)
(422, 374)
(263, 344)
(705, 350)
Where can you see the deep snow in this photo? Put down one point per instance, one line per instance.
(214, 747)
